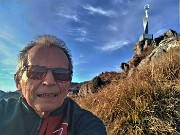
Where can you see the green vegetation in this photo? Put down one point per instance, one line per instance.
(147, 103)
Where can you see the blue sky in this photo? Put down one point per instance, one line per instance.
(100, 33)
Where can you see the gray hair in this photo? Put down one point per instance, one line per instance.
(46, 40)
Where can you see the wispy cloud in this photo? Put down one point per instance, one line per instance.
(72, 17)
(77, 31)
(7, 58)
(80, 34)
(68, 13)
(160, 32)
(8, 38)
(83, 39)
(4, 34)
(124, 12)
(11, 61)
(112, 46)
(112, 28)
(80, 60)
(94, 10)
(82, 31)
(117, 68)
(8, 70)
(6, 75)
(118, 1)
(4, 49)
(128, 2)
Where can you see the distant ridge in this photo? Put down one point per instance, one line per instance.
(2, 93)
(14, 94)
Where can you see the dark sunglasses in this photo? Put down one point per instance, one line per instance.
(37, 72)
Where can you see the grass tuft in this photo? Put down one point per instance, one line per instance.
(147, 103)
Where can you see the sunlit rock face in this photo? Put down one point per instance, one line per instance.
(147, 51)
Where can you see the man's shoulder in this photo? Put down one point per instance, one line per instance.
(8, 103)
(78, 110)
(7, 106)
(85, 121)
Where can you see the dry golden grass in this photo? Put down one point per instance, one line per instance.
(148, 103)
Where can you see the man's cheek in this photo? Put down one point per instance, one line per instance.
(64, 88)
(27, 88)
(32, 85)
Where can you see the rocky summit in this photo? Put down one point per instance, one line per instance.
(147, 51)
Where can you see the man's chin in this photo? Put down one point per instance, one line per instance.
(43, 114)
(45, 108)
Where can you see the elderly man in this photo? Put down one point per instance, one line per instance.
(44, 74)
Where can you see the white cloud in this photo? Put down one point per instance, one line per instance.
(82, 31)
(79, 60)
(117, 68)
(93, 10)
(6, 75)
(124, 12)
(6, 69)
(81, 56)
(112, 28)
(7, 33)
(4, 34)
(80, 34)
(72, 17)
(9, 70)
(160, 32)
(68, 13)
(4, 50)
(128, 2)
(7, 57)
(11, 61)
(112, 46)
(77, 31)
(83, 39)
(118, 1)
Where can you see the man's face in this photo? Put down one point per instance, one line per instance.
(48, 86)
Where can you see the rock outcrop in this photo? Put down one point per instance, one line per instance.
(147, 51)
(106, 78)
(85, 89)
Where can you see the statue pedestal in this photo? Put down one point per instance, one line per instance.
(146, 37)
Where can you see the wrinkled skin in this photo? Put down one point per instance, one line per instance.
(50, 58)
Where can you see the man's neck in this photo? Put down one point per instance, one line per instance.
(43, 114)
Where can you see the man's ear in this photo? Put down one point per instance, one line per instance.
(17, 81)
(71, 78)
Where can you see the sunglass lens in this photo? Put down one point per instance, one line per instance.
(36, 72)
(61, 74)
(61, 77)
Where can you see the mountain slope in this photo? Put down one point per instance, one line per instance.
(146, 103)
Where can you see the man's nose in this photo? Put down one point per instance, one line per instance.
(49, 80)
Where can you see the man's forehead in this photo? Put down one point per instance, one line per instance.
(41, 47)
(41, 51)
(47, 56)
